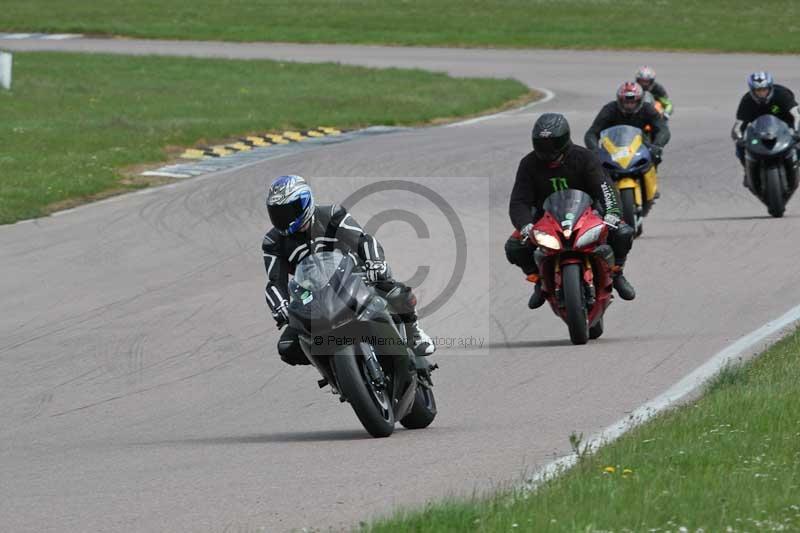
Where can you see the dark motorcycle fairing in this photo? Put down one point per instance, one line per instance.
(770, 147)
(768, 136)
(340, 314)
(339, 302)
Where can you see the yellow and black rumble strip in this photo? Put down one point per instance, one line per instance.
(257, 148)
(256, 141)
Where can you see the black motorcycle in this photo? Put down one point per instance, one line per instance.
(771, 165)
(350, 335)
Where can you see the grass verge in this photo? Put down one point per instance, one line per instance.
(73, 121)
(730, 25)
(729, 462)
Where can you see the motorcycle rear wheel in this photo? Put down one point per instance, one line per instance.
(423, 411)
(372, 407)
(596, 330)
(577, 319)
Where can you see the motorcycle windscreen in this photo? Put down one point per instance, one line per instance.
(324, 293)
(317, 271)
(621, 143)
(768, 136)
(567, 206)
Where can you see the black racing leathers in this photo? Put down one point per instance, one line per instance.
(536, 180)
(780, 105)
(658, 91)
(332, 228)
(659, 94)
(610, 115)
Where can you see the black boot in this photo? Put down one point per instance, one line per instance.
(623, 287)
(537, 298)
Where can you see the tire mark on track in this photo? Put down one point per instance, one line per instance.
(86, 316)
(154, 387)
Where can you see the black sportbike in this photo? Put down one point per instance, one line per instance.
(771, 165)
(349, 334)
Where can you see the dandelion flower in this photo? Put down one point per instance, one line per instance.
(609, 470)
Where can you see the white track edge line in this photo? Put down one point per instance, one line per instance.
(689, 384)
(548, 95)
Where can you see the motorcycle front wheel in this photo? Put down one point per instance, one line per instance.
(372, 406)
(775, 202)
(628, 200)
(577, 318)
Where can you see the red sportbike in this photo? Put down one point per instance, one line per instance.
(574, 262)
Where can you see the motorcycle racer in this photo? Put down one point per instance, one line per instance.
(301, 227)
(764, 97)
(630, 109)
(646, 78)
(557, 164)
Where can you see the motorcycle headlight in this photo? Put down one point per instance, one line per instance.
(591, 236)
(546, 240)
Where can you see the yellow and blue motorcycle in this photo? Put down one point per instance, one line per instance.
(627, 160)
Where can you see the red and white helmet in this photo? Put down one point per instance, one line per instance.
(630, 97)
(645, 77)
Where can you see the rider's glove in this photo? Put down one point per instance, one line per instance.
(376, 270)
(525, 232)
(281, 314)
(656, 152)
(612, 220)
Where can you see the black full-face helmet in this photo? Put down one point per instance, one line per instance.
(550, 136)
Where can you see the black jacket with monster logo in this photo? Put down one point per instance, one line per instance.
(536, 180)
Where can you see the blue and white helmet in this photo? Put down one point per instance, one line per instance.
(760, 80)
(290, 204)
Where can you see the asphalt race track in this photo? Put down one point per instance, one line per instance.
(139, 385)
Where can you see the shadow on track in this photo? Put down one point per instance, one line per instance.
(529, 344)
(730, 218)
(554, 343)
(266, 438)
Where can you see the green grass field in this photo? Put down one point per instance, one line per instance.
(730, 25)
(72, 122)
(729, 462)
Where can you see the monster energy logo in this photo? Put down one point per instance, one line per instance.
(775, 109)
(559, 184)
(608, 195)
